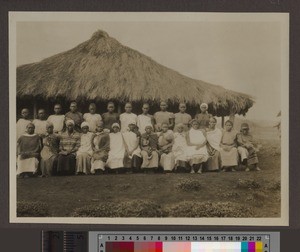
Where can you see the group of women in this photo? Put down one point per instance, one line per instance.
(165, 142)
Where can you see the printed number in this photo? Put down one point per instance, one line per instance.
(209, 238)
(166, 238)
(123, 238)
(251, 238)
(145, 238)
(216, 238)
(130, 238)
(116, 238)
(237, 238)
(244, 238)
(258, 238)
(158, 238)
(151, 237)
(108, 238)
(194, 238)
(137, 238)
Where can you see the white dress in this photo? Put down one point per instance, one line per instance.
(84, 153)
(92, 120)
(40, 126)
(142, 122)
(196, 137)
(126, 119)
(179, 146)
(117, 151)
(57, 121)
(214, 138)
(132, 141)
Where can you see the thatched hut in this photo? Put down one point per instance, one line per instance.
(102, 69)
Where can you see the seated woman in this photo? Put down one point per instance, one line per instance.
(50, 150)
(196, 150)
(165, 143)
(85, 151)
(213, 136)
(149, 145)
(133, 151)
(179, 149)
(68, 146)
(100, 145)
(28, 150)
(117, 149)
(247, 148)
(228, 150)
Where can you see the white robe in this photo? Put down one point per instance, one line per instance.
(126, 119)
(57, 121)
(40, 126)
(117, 151)
(132, 141)
(92, 120)
(21, 126)
(196, 137)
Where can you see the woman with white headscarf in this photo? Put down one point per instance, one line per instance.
(203, 117)
(85, 151)
(68, 146)
(117, 149)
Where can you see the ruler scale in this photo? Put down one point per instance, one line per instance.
(100, 241)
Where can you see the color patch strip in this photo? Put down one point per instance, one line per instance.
(258, 247)
(177, 247)
(148, 247)
(251, 246)
(119, 246)
(184, 246)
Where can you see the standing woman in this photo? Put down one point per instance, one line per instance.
(214, 136)
(50, 150)
(149, 145)
(85, 151)
(196, 150)
(228, 150)
(28, 150)
(100, 145)
(68, 146)
(117, 149)
(203, 117)
(165, 143)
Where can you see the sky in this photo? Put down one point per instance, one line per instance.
(240, 56)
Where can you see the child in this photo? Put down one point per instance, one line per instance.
(127, 117)
(247, 148)
(149, 145)
(92, 118)
(58, 120)
(23, 122)
(165, 143)
(40, 123)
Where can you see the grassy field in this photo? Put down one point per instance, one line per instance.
(223, 194)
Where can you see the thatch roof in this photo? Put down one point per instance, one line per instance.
(103, 69)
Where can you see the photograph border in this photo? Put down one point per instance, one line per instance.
(283, 18)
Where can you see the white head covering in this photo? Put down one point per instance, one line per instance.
(115, 125)
(203, 105)
(84, 124)
(70, 121)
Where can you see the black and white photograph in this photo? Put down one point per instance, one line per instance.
(149, 118)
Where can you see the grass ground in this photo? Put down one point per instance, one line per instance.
(258, 191)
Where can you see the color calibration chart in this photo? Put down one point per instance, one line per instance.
(104, 241)
(185, 242)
